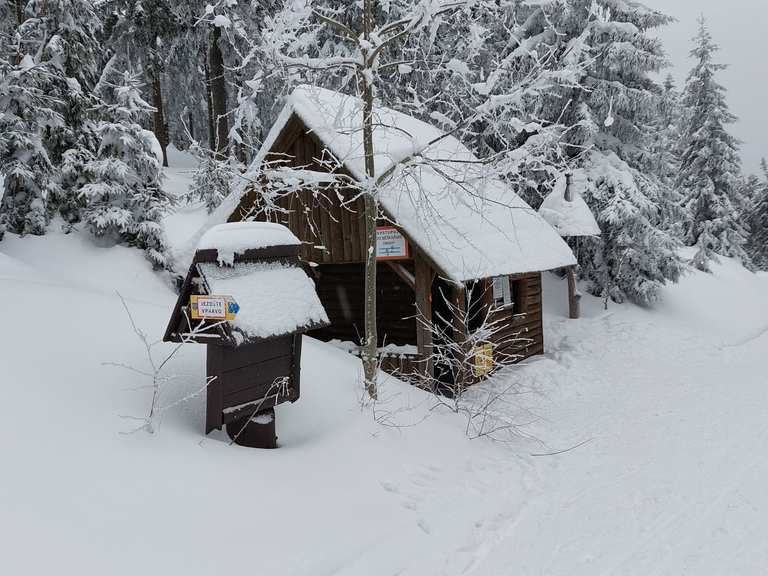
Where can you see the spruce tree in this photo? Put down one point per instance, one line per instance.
(26, 113)
(663, 157)
(45, 105)
(710, 166)
(123, 195)
(758, 241)
(143, 36)
(609, 111)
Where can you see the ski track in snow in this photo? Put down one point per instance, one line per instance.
(653, 536)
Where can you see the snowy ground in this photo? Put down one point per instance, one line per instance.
(672, 404)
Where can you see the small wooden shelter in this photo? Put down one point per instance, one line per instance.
(446, 230)
(567, 212)
(254, 349)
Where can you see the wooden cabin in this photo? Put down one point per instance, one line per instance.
(452, 242)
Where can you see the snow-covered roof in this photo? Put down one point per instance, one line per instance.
(274, 298)
(572, 218)
(238, 237)
(469, 223)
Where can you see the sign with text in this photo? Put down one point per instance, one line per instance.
(213, 307)
(483, 360)
(391, 244)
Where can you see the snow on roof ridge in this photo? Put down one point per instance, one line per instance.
(237, 237)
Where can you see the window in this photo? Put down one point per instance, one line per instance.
(502, 292)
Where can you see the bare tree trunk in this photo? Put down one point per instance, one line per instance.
(370, 363)
(20, 11)
(19, 5)
(574, 298)
(462, 377)
(191, 124)
(160, 127)
(209, 102)
(218, 88)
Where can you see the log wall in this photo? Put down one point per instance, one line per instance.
(523, 333)
(341, 288)
(332, 231)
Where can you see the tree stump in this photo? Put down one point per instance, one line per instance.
(257, 431)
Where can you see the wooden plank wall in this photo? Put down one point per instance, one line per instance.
(333, 232)
(523, 333)
(341, 288)
(247, 373)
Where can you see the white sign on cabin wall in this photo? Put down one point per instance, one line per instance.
(502, 294)
(391, 244)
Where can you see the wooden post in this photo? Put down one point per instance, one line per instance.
(214, 391)
(463, 374)
(574, 298)
(423, 290)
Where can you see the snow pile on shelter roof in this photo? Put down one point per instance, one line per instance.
(274, 298)
(471, 224)
(572, 218)
(237, 237)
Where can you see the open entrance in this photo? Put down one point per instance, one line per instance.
(442, 335)
(341, 288)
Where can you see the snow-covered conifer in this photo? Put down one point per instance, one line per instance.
(608, 115)
(758, 241)
(27, 112)
(212, 180)
(124, 199)
(710, 165)
(59, 60)
(144, 36)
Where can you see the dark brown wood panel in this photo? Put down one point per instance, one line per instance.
(520, 331)
(249, 354)
(255, 374)
(341, 288)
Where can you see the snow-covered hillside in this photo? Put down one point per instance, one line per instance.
(667, 409)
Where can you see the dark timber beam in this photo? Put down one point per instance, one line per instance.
(463, 377)
(404, 274)
(423, 289)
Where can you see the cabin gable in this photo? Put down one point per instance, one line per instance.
(331, 231)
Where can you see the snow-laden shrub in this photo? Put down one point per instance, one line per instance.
(124, 199)
(634, 258)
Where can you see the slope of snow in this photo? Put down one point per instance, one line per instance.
(187, 218)
(100, 501)
(471, 224)
(663, 414)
